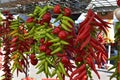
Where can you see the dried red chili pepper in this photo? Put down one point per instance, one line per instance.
(81, 75)
(29, 20)
(80, 69)
(85, 42)
(97, 47)
(90, 62)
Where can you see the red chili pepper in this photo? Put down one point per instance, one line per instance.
(85, 77)
(13, 45)
(34, 61)
(60, 54)
(56, 30)
(85, 42)
(80, 69)
(92, 53)
(119, 67)
(92, 65)
(97, 47)
(89, 14)
(67, 11)
(83, 37)
(43, 48)
(57, 9)
(42, 40)
(81, 75)
(14, 39)
(32, 56)
(48, 51)
(86, 29)
(83, 33)
(62, 34)
(48, 43)
(98, 43)
(65, 60)
(29, 20)
(100, 25)
(104, 58)
(78, 59)
(46, 17)
(26, 46)
(103, 22)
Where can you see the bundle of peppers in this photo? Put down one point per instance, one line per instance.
(55, 50)
(5, 41)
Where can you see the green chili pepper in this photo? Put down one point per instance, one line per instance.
(64, 42)
(65, 27)
(58, 18)
(56, 50)
(67, 23)
(55, 40)
(62, 68)
(68, 18)
(49, 36)
(56, 44)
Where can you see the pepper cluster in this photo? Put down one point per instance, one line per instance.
(56, 50)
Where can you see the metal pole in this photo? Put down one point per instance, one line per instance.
(109, 52)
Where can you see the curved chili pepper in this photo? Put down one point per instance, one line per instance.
(98, 43)
(91, 64)
(80, 69)
(97, 47)
(81, 75)
(85, 42)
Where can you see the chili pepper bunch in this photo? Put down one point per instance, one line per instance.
(5, 41)
(51, 41)
(54, 50)
(89, 49)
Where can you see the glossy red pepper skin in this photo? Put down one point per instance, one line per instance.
(48, 51)
(62, 34)
(29, 20)
(42, 40)
(81, 75)
(32, 56)
(34, 62)
(46, 17)
(85, 42)
(43, 48)
(91, 64)
(56, 30)
(80, 69)
(67, 11)
(57, 9)
(65, 60)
